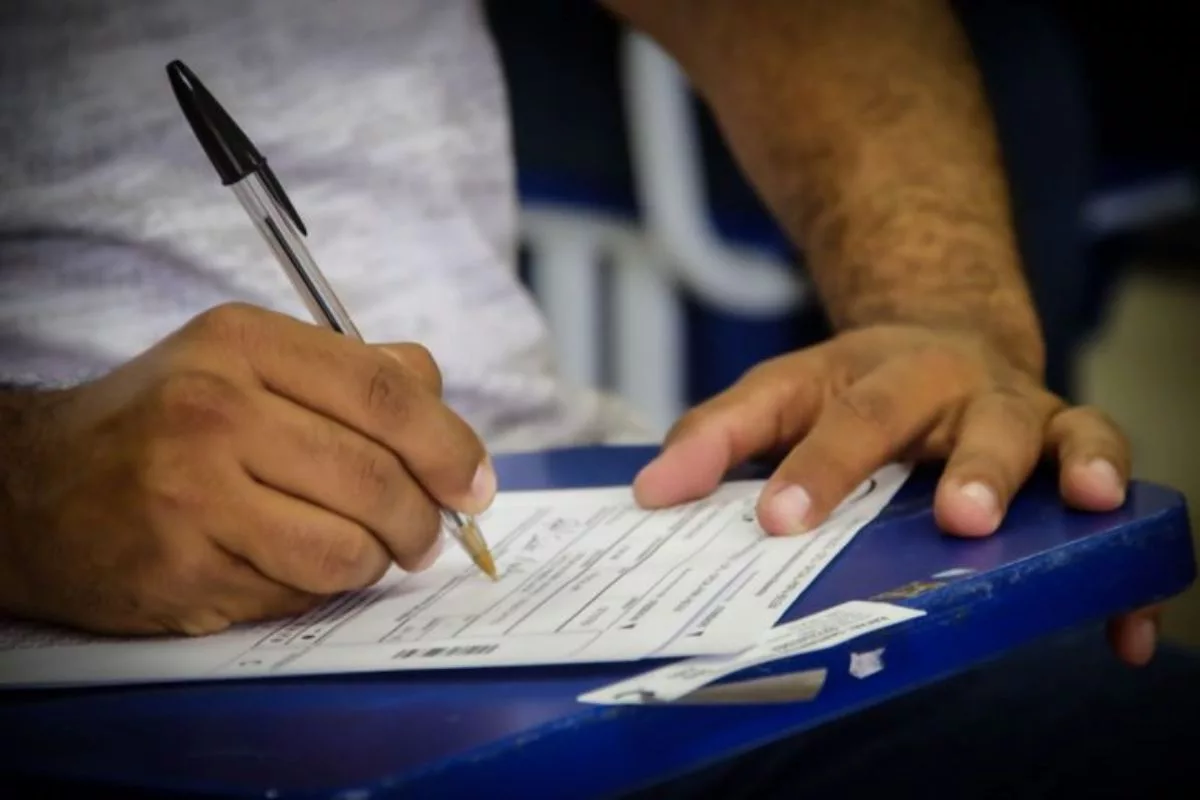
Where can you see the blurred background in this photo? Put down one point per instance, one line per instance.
(629, 195)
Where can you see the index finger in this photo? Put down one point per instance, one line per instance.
(369, 390)
(770, 406)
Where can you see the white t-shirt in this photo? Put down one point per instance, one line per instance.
(386, 121)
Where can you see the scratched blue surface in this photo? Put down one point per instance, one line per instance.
(452, 734)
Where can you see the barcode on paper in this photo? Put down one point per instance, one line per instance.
(448, 652)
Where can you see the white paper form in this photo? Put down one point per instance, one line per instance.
(585, 576)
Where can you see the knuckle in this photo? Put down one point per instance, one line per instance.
(196, 401)
(1018, 408)
(954, 369)
(1088, 421)
(343, 561)
(837, 476)
(386, 396)
(769, 371)
(419, 359)
(369, 473)
(1104, 433)
(375, 475)
(873, 410)
(226, 322)
(320, 438)
(1098, 417)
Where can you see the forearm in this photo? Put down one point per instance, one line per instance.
(23, 415)
(863, 125)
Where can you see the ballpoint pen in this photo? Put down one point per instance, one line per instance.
(245, 171)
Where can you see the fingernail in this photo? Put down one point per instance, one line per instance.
(1145, 636)
(982, 496)
(431, 556)
(1105, 475)
(483, 485)
(790, 506)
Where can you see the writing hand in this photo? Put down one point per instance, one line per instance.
(248, 466)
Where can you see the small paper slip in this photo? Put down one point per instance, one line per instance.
(819, 631)
(585, 576)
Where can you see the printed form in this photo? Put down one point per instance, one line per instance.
(585, 576)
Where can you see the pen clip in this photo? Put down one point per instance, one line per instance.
(280, 196)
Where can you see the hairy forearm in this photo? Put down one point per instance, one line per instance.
(863, 125)
(28, 417)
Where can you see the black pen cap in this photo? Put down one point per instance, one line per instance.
(230, 150)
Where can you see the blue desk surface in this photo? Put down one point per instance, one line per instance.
(453, 734)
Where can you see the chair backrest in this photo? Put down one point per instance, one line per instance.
(638, 329)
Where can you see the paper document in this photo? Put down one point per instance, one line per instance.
(818, 631)
(585, 576)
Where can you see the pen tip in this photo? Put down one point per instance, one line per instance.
(478, 549)
(488, 566)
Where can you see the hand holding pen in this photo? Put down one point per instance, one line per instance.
(242, 168)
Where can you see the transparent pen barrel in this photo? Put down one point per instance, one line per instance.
(288, 245)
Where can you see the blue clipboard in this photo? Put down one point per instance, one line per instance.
(461, 733)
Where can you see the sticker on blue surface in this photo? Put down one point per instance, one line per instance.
(819, 631)
(864, 665)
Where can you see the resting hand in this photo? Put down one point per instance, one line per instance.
(842, 409)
